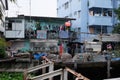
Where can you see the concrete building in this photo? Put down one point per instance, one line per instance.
(33, 32)
(92, 16)
(3, 7)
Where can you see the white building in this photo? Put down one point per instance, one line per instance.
(92, 16)
(3, 7)
(14, 27)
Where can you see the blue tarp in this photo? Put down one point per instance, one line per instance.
(38, 56)
(115, 59)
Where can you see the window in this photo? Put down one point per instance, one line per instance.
(57, 10)
(79, 14)
(98, 30)
(8, 26)
(66, 5)
(70, 0)
(75, 13)
(109, 13)
(70, 14)
(91, 13)
(91, 29)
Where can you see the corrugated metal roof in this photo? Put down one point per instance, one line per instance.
(41, 17)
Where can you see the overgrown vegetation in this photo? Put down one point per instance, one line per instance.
(2, 47)
(117, 30)
(117, 27)
(116, 51)
(11, 76)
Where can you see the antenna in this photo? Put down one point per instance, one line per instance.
(30, 9)
(17, 12)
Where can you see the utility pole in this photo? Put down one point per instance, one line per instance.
(30, 18)
(101, 34)
(108, 57)
(30, 9)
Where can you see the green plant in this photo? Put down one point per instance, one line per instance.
(11, 76)
(117, 26)
(117, 53)
(2, 47)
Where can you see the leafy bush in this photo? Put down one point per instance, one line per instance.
(2, 47)
(117, 53)
(11, 76)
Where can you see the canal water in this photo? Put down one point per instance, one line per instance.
(96, 73)
(99, 73)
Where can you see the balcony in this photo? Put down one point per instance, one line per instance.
(100, 3)
(14, 34)
(100, 20)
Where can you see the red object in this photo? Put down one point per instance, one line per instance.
(109, 46)
(61, 50)
(67, 24)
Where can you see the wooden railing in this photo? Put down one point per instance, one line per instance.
(63, 73)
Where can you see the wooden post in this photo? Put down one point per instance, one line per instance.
(51, 67)
(25, 75)
(108, 68)
(30, 56)
(61, 77)
(65, 75)
(108, 65)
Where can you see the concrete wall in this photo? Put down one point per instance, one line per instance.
(100, 3)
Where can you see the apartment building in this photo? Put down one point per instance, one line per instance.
(92, 16)
(3, 7)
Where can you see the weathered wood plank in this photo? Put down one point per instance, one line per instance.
(12, 70)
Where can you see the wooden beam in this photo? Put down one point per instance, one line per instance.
(38, 67)
(12, 70)
(48, 75)
(79, 76)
